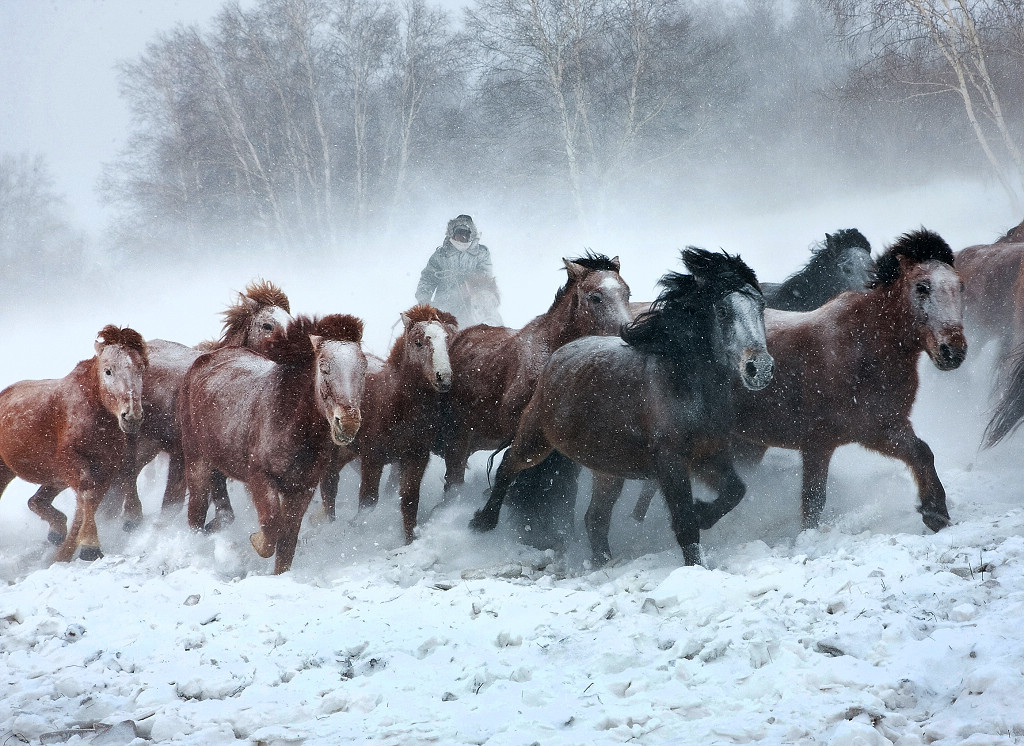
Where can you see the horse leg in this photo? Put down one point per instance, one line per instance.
(648, 490)
(293, 508)
(197, 475)
(412, 470)
(174, 490)
(812, 487)
(329, 485)
(268, 512)
(369, 482)
(915, 453)
(674, 481)
(223, 513)
(719, 474)
(41, 503)
(527, 449)
(456, 457)
(598, 518)
(83, 527)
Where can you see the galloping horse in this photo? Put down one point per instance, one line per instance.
(993, 277)
(260, 311)
(73, 432)
(847, 372)
(655, 404)
(495, 368)
(841, 262)
(270, 421)
(400, 411)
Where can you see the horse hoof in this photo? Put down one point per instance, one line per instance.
(692, 555)
(482, 522)
(220, 522)
(131, 525)
(55, 538)
(263, 547)
(935, 521)
(90, 554)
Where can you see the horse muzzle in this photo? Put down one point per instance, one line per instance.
(129, 422)
(756, 369)
(345, 427)
(950, 353)
(442, 382)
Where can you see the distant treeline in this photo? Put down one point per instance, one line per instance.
(303, 122)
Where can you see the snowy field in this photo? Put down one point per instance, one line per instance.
(870, 630)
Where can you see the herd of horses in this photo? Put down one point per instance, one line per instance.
(715, 371)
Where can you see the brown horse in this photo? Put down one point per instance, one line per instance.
(73, 432)
(847, 372)
(270, 421)
(400, 410)
(655, 404)
(495, 368)
(260, 311)
(993, 277)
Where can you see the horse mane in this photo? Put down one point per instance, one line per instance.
(670, 326)
(236, 317)
(124, 336)
(592, 261)
(415, 315)
(292, 346)
(1014, 235)
(840, 241)
(918, 246)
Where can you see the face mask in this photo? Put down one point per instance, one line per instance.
(460, 245)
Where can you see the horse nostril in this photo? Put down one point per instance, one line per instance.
(751, 369)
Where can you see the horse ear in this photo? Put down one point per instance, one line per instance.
(317, 340)
(615, 261)
(576, 271)
(98, 345)
(406, 320)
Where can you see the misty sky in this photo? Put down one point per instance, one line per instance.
(59, 86)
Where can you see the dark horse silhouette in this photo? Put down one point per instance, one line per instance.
(653, 404)
(842, 262)
(271, 422)
(494, 369)
(400, 412)
(847, 372)
(258, 312)
(73, 432)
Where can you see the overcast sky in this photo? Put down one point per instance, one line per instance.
(59, 87)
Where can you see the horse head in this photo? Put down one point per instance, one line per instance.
(850, 253)
(598, 296)
(340, 373)
(737, 332)
(120, 361)
(259, 312)
(423, 348)
(920, 266)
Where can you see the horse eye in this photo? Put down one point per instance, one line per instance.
(595, 298)
(923, 288)
(267, 326)
(722, 311)
(108, 372)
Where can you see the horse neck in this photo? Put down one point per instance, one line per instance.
(886, 324)
(294, 395)
(810, 283)
(560, 324)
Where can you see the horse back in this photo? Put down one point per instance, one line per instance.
(161, 386)
(993, 287)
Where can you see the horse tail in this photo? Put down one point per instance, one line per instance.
(490, 459)
(1010, 409)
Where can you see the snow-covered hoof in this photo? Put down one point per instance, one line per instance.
(56, 538)
(90, 554)
(263, 547)
(935, 521)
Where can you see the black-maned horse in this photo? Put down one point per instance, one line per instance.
(653, 404)
(841, 262)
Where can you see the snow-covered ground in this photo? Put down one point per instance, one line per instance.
(870, 630)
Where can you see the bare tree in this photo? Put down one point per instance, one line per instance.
(909, 37)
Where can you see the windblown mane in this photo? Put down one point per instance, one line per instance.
(673, 324)
(293, 346)
(339, 327)
(841, 240)
(918, 246)
(593, 262)
(264, 294)
(124, 336)
(416, 314)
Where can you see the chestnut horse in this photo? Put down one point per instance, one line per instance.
(400, 410)
(495, 368)
(259, 312)
(271, 422)
(993, 277)
(655, 404)
(73, 432)
(847, 372)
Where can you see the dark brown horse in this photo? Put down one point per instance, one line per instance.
(655, 404)
(401, 412)
(73, 432)
(495, 368)
(260, 311)
(847, 372)
(271, 422)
